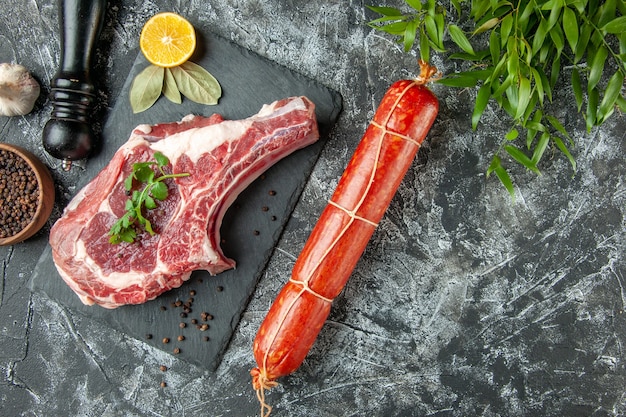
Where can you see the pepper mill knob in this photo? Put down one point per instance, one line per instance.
(68, 135)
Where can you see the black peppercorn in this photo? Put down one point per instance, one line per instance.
(19, 194)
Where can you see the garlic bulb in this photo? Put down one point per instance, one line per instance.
(18, 90)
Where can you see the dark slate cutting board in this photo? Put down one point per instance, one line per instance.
(251, 227)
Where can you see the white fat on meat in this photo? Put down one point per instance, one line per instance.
(132, 273)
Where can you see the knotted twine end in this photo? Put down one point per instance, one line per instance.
(428, 73)
(261, 383)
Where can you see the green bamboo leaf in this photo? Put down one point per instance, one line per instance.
(580, 5)
(457, 6)
(431, 29)
(459, 80)
(622, 45)
(459, 38)
(547, 88)
(495, 163)
(555, 14)
(440, 22)
(512, 134)
(196, 83)
(524, 17)
(497, 168)
(480, 104)
(489, 24)
(577, 88)
(494, 46)
(606, 12)
(146, 88)
(415, 4)
(523, 96)
(612, 91)
(170, 90)
(550, 4)
(534, 126)
(540, 36)
(558, 126)
(424, 45)
(478, 9)
(559, 144)
(464, 56)
(506, 26)
(385, 11)
(395, 28)
(538, 84)
(555, 70)
(500, 88)
(592, 109)
(556, 34)
(597, 66)
(583, 41)
(621, 103)
(409, 35)
(519, 156)
(570, 27)
(539, 150)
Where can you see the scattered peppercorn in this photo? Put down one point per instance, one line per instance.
(19, 194)
(265, 208)
(163, 368)
(181, 338)
(256, 233)
(163, 384)
(166, 340)
(182, 325)
(220, 288)
(205, 338)
(148, 336)
(176, 351)
(163, 308)
(273, 218)
(192, 293)
(204, 327)
(272, 192)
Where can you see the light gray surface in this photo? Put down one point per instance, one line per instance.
(464, 303)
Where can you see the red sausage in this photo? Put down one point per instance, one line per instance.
(369, 182)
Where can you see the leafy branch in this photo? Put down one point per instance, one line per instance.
(515, 53)
(124, 229)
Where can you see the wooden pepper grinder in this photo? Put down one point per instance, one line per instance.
(68, 135)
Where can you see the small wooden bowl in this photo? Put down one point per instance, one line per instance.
(45, 202)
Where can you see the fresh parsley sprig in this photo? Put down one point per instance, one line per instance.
(515, 53)
(125, 228)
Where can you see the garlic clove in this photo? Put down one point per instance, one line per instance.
(18, 90)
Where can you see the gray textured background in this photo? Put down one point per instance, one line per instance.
(464, 304)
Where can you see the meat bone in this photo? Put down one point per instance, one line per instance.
(68, 135)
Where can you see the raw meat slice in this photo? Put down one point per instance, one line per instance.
(222, 158)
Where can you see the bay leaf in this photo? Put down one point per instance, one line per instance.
(170, 89)
(146, 88)
(196, 83)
